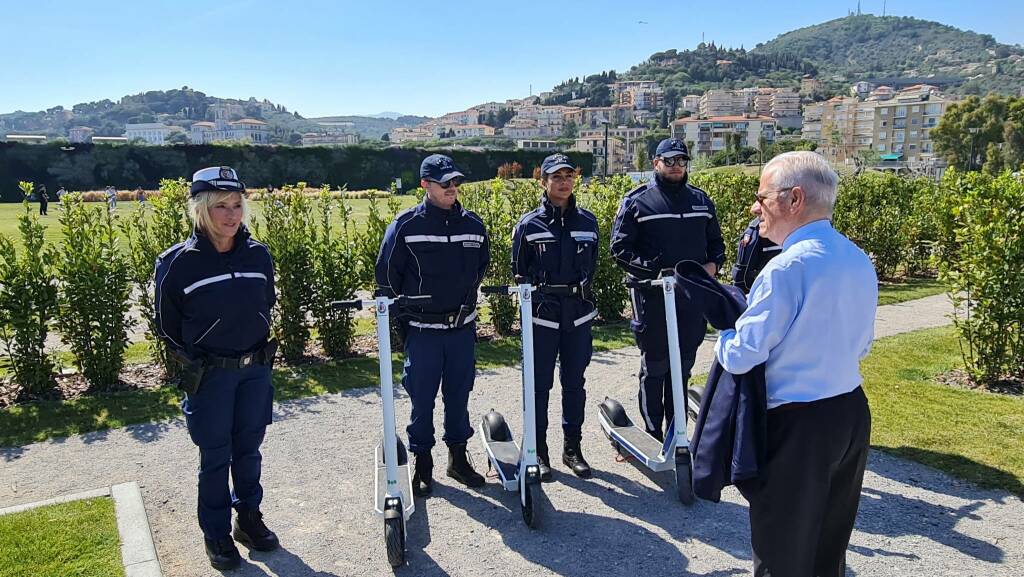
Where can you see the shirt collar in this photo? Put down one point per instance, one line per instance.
(813, 229)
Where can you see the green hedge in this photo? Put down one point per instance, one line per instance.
(91, 167)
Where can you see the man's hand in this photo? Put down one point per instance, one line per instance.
(711, 268)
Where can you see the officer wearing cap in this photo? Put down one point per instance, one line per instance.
(440, 249)
(555, 248)
(752, 252)
(214, 293)
(659, 224)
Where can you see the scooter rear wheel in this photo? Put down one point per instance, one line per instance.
(394, 540)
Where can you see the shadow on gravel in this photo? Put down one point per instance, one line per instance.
(893, 515)
(723, 525)
(574, 544)
(417, 562)
(983, 475)
(280, 562)
(11, 453)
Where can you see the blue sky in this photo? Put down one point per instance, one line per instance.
(343, 57)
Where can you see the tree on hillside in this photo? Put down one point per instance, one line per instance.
(570, 130)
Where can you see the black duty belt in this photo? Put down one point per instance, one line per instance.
(449, 320)
(263, 356)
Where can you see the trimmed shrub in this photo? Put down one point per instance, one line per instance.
(603, 199)
(983, 270)
(94, 289)
(28, 302)
(334, 263)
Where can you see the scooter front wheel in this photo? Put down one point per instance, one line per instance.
(684, 478)
(394, 539)
(531, 506)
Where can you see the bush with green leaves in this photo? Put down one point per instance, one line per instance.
(873, 211)
(28, 302)
(500, 204)
(153, 228)
(603, 199)
(732, 193)
(289, 230)
(94, 289)
(983, 271)
(334, 262)
(369, 239)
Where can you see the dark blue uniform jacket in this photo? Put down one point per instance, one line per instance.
(431, 251)
(730, 439)
(660, 224)
(551, 246)
(209, 302)
(752, 253)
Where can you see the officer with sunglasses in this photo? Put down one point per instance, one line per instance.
(214, 294)
(440, 249)
(659, 224)
(555, 248)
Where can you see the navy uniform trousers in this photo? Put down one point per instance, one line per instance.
(652, 338)
(445, 359)
(227, 418)
(803, 507)
(573, 349)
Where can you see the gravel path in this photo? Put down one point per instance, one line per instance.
(913, 521)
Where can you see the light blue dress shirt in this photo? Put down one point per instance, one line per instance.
(810, 317)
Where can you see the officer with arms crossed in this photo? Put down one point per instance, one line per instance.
(659, 224)
(214, 293)
(555, 247)
(810, 319)
(440, 249)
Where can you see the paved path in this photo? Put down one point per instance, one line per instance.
(913, 521)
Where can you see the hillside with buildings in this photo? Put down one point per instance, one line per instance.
(892, 50)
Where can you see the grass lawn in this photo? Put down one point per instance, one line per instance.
(972, 435)
(890, 293)
(78, 538)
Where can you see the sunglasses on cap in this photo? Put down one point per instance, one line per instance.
(456, 182)
(674, 161)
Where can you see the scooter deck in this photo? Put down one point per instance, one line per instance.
(404, 482)
(504, 457)
(643, 446)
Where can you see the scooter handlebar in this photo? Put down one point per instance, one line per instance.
(347, 304)
(494, 289)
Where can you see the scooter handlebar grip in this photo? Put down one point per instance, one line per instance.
(347, 304)
(494, 289)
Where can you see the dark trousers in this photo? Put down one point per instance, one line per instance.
(651, 334)
(803, 507)
(227, 418)
(42, 208)
(574, 349)
(442, 359)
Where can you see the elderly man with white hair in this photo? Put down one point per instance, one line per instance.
(810, 320)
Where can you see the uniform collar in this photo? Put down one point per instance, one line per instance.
(433, 211)
(198, 241)
(552, 211)
(672, 188)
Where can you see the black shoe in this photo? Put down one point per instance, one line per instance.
(544, 463)
(253, 533)
(223, 554)
(423, 474)
(572, 456)
(459, 467)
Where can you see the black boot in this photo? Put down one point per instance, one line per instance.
(423, 474)
(459, 467)
(253, 533)
(572, 456)
(544, 462)
(223, 554)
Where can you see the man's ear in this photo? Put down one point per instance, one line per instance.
(797, 199)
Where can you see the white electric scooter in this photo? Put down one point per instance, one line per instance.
(630, 439)
(517, 467)
(392, 481)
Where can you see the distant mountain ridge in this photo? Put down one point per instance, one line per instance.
(183, 107)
